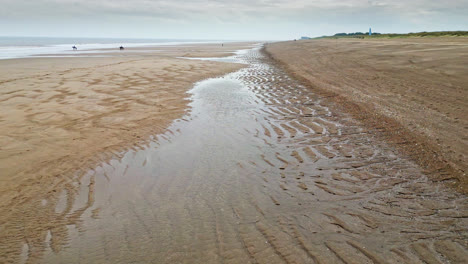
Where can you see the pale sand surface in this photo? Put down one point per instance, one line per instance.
(261, 170)
(414, 90)
(63, 114)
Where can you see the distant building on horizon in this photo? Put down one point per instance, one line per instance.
(370, 31)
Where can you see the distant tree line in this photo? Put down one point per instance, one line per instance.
(394, 35)
(431, 34)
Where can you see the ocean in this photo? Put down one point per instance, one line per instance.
(21, 47)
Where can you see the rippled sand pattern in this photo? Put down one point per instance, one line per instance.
(259, 172)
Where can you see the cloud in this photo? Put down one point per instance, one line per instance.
(195, 8)
(230, 12)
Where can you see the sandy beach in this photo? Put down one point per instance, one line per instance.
(233, 132)
(410, 91)
(259, 166)
(61, 116)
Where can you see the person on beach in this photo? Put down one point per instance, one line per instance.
(121, 48)
(74, 47)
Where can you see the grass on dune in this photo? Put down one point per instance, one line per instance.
(394, 35)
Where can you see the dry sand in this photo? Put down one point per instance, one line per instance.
(412, 91)
(63, 114)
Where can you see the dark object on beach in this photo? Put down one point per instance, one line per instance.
(222, 44)
(74, 48)
(121, 48)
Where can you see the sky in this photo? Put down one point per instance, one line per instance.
(226, 19)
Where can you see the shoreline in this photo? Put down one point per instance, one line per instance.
(41, 47)
(425, 143)
(60, 122)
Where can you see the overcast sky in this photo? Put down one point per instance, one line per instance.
(226, 19)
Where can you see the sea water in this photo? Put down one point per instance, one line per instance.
(21, 47)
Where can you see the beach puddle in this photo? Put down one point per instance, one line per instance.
(259, 171)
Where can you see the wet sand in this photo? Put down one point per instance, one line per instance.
(411, 91)
(63, 116)
(261, 170)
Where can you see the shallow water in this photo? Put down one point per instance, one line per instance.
(23, 47)
(258, 172)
